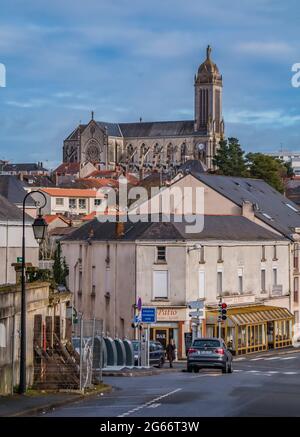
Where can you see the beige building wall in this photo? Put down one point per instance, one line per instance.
(102, 278)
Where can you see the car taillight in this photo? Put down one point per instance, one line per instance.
(192, 350)
(219, 351)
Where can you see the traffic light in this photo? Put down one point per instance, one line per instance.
(222, 312)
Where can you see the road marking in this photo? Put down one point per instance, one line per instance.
(273, 358)
(256, 359)
(288, 358)
(154, 405)
(239, 359)
(290, 373)
(147, 404)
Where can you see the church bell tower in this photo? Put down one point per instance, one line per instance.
(208, 98)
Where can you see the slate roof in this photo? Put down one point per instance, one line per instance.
(153, 129)
(23, 167)
(216, 227)
(271, 207)
(10, 212)
(12, 188)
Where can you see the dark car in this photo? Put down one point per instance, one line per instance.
(157, 353)
(209, 353)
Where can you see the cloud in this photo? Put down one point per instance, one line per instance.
(276, 118)
(262, 48)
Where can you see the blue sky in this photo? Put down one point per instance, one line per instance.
(127, 59)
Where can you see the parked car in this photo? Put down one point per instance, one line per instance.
(209, 353)
(157, 353)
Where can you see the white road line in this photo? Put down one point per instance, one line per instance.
(147, 404)
(290, 373)
(273, 358)
(257, 359)
(154, 405)
(288, 358)
(239, 359)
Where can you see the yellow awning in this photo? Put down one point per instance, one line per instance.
(255, 314)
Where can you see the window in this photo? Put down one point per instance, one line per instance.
(161, 253)
(219, 283)
(201, 284)
(263, 280)
(220, 254)
(240, 281)
(97, 202)
(296, 259)
(202, 255)
(59, 201)
(80, 283)
(2, 335)
(296, 290)
(263, 253)
(274, 275)
(82, 203)
(72, 203)
(160, 284)
(275, 253)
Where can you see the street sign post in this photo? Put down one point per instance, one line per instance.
(148, 314)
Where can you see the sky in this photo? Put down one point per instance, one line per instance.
(127, 59)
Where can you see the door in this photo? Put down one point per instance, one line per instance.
(161, 335)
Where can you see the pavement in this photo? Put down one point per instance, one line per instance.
(34, 402)
(265, 384)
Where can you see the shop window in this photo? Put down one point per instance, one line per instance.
(160, 284)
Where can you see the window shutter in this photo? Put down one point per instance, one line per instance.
(160, 283)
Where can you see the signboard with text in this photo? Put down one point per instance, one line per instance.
(148, 314)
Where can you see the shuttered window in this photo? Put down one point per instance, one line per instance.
(160, 284)
(201, 284)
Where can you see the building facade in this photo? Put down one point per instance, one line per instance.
(162, 144)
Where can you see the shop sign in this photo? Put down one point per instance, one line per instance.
(171, 314)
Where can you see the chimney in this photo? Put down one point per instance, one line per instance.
(248, 210)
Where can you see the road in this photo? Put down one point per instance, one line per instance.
(262, 385)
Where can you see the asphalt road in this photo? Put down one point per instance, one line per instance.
(262, 385)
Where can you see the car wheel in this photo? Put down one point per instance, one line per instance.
(225, 368)
(230, 369)
(189, 369)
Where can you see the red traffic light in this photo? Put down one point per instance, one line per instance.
(224, 306)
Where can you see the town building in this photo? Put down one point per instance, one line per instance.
(6, 168)
(11, 241)
(161, 144)
(111, 265)
(71, 201)
(14, 191)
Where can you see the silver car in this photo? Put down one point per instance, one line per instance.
(209, 353)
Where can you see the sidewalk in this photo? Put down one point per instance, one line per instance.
(143, 371)
(36, 402)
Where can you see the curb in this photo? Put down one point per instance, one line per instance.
(142, 373)
(59, 403)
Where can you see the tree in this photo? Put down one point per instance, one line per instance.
(229, 159)
(265, 167)
(60, 267)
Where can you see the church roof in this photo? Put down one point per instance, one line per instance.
(152, 129)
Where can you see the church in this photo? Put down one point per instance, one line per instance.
(158, 145)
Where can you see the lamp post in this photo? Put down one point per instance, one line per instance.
(39, 229)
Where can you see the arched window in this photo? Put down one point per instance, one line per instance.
(183, 151)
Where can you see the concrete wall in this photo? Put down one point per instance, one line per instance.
(37, 303)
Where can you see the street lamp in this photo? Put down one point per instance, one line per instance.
(39, 229)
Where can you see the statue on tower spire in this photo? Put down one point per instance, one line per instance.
(208, 52)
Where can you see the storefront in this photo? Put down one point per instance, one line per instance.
(253, 328)
(170, 325)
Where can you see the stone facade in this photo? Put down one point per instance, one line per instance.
(156, 145)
